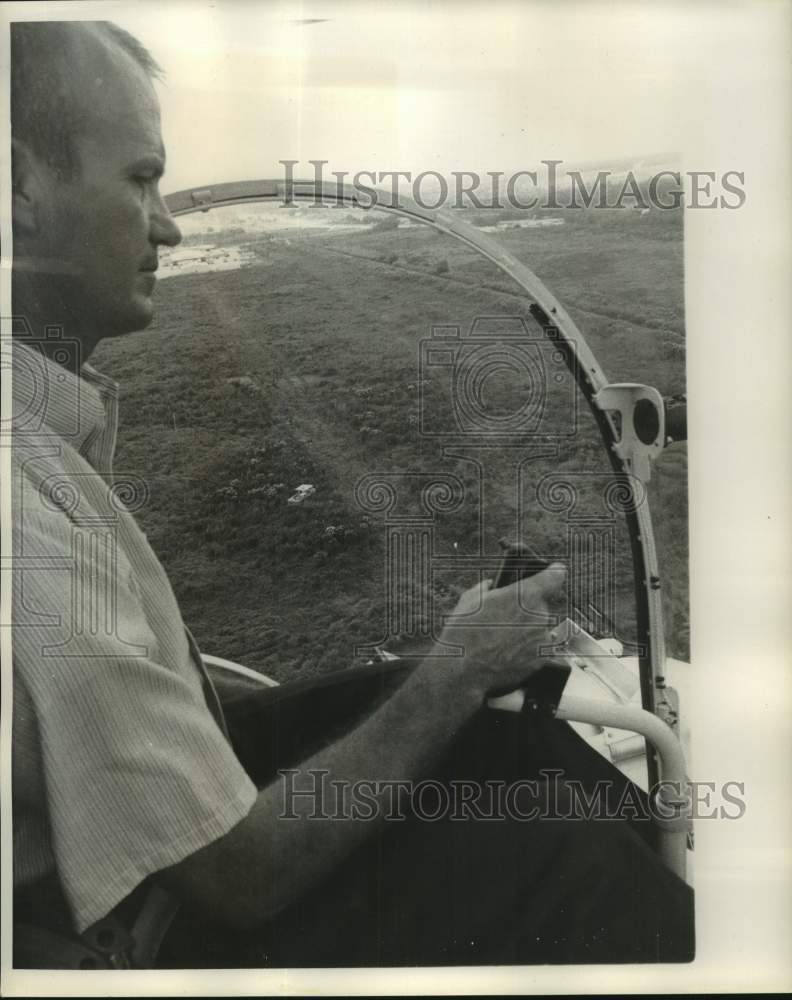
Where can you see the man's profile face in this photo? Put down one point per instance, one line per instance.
(108, 221)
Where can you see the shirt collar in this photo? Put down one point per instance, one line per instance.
(49, 398)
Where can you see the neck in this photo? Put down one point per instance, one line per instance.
(41, 310)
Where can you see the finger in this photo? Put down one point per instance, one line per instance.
(471, 599)
(543, 584)
(552, 579)
(478, 591)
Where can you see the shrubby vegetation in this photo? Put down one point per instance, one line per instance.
(327, 329)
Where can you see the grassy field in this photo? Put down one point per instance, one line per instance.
(328, 328)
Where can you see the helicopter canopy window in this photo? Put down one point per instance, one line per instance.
(340, 412)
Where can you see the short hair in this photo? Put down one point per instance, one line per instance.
(46, 87)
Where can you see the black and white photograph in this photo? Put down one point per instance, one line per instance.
(395, 484)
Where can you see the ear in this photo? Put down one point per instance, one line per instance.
(29, 188)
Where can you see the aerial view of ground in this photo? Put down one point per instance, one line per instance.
(293, 349)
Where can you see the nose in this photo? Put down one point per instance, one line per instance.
(163, 228)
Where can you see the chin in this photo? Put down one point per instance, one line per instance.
(137, 316)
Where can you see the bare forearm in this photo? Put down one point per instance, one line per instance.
(267, 861)
(289, 841)
(395, 744)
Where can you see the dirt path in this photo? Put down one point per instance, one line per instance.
(571, 301)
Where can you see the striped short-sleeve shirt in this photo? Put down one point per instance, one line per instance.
(120, 768)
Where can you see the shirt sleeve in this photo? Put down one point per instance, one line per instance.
(137, 773)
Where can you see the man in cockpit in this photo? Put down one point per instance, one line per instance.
(124, 779)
